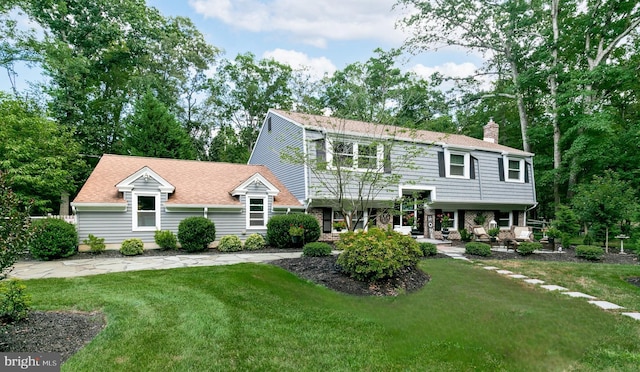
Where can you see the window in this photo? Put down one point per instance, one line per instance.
(503, 219)
(257, 215)
(456, 165)
(356, 155)
(343, 154)
(514, 170)
(367, 156)
(146, 216)
(337, 216)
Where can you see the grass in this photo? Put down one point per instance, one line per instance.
(259, 317)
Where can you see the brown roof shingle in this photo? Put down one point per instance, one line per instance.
(347, 126)
(195, 182)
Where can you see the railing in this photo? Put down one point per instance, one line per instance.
(71, 218)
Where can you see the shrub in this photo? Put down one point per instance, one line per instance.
(14, 302)
(465, 235)
(478, 248)
(230, 243)
(195, 233)
(165, 239)
(54, 238)
(589, 252)
(254, 242)
(316, 249)
(527, 248)
(428, 249)
(132, 247)
(96, 245)
(278, 229)
(377, 254)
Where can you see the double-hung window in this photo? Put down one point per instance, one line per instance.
(355, 155)
(257, 217)
(457, 164)
(515, 170)
(367, 156)
(343, 154)
(503, 219)
(146, 211)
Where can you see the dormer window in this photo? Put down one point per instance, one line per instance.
(456, 164)
(514, 169)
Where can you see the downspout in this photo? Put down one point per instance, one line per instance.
(305, 163)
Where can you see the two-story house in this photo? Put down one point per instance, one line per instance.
(434, 174)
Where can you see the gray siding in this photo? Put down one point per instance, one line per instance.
(271, 144)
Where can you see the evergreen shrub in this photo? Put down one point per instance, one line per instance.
(254, 242)
(132, 247)
(196, 233)
(14, 301)
(428, 249)
(589, 252)
(165, 239)
(527, 248)
(230, 243)
(316, 249)
(54, 238)
(96, 245)
(278, 230)
(478, 249)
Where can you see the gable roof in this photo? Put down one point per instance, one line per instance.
(362, 128)
(199, 183)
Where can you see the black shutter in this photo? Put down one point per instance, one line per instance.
(516, 215)
(321, 155)
(441, 163)
(327, 220)
(501, 169)
(461, 220)
(472, 167)
(269, 123)
(387, 160)
(527, 167)
(438, 226)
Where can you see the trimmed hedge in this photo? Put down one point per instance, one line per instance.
(254, 242)
(589, 252)
(165, 239)
(278, 230)
(316, 249)
(196, 233)
(428, 249)
(478, 249)
(132, 247)
(527, 248)
(53, 238)
(377, 254)
(230, 243)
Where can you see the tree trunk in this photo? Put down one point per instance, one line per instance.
(553, 87)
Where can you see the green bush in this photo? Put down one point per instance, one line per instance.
(589, 252)
(278, 230)
(527, 248)
(428, 249)
(230, 243)
(478, 249)
(316, 249)
(96, 245)
(14, 302)
(54, 238)
(465, 235)
(254, 242)
(377, 254)
(196, 233)
(132, 247)
(165, 239)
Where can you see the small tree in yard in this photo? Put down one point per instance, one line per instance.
(15, 230)
(351, 177)
(605, 202)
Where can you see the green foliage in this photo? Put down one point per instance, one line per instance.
(566, 221)
(227, 146)
(254, 242)
(54, 238)
(316, 249)
(132, 247)
(465, 235)
(278, 229)
(589, 252)
(230, 243)
(165, 239)
(196, 233)
(554, 233)
(478, 249)
(96, 245)
(15, 227)
(14, 301)
(377, 254)
(527, 248)
(588, 239)
(428, 249)
(494, 231)
(479, 219)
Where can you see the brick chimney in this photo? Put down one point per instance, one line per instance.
(491, 131)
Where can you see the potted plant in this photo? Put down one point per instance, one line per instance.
(493, 233)
(445, 222)
(479, 219)
(410, 219)
(339, 225)
(296, 233)
(552, 234)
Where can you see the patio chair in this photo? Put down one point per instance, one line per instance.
(521, 234)
(480, 235)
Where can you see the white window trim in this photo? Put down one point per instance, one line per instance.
(447, 163)
(520, 179)
(379, 156)
(134, 211)
(364, 220)
(454, 222)
(265, 211)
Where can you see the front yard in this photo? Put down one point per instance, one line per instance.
(260, 317)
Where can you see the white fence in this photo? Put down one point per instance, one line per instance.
(71, 219)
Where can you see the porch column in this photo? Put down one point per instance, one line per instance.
(429, 222)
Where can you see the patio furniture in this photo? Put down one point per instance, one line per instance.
(480, 235)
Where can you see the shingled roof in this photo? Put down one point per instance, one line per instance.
(199, 183)
(346, 126)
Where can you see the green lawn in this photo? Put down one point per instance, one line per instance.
(260, 317)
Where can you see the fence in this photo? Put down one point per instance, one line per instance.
(71, 219)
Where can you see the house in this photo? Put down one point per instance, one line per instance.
(434, 174)
(132, 197)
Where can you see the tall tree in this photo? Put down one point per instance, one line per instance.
(154, 131)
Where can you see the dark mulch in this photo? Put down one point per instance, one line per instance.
(67, 332)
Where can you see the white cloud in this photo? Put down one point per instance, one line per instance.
(310, 22)
(317, 67)
(453, 70)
